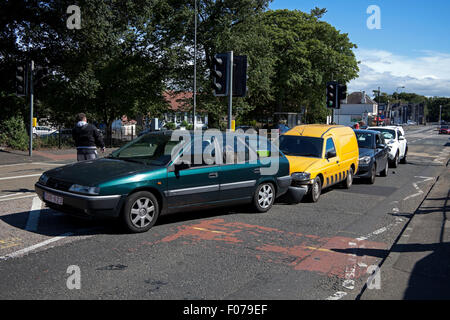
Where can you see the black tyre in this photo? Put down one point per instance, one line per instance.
(316, 190)
(140, 212)
(373, 174)
(264, 197)
(394, 163)
(349, 180)
(385, 172)
(404, 159)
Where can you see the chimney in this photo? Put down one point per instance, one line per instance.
(363, 97)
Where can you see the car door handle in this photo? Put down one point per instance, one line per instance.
(257, 170)
(213, 175)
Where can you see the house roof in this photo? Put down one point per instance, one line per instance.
(356, 98)
(178, 101)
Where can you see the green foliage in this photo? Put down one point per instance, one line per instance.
(13, 133)
(170, 126)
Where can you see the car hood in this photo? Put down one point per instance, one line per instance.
(301, 164)
(94, 172)
(364, 152)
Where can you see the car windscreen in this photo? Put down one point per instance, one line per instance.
(365, 140)
(301, 146)
(155, 149)
(388, 134)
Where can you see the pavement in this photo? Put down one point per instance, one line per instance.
(9, 156)
(418, 265)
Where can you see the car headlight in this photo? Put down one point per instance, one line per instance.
(84, 189)
(43, 179)
(364, 160)
(301, 176)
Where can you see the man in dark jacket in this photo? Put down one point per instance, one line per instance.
(87, 137)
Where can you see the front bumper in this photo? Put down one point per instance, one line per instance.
(83, 205)
(364, 171)
(283, 185)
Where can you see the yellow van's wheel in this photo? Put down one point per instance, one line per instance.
(349, 180)
(316, 190)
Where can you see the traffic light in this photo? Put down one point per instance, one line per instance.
(239, 76)
(20, 81)
(332, 94)
(342, 94)
(221, 62)
(41, 77)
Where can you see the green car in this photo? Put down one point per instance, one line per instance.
(155, 174)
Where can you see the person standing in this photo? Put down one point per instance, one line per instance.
(87, 137)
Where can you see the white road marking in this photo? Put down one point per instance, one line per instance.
(11, 194)
(20, 177)
(33, 247)
(32, 163)
(17, 198)
(337, 296)
(33, 215)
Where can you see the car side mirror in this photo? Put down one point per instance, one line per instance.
(401, 138)
(330, 154)
(182, 166)
(381, 146)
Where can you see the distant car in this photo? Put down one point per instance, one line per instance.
(373, 155)
(411, 123)
(246, 128)
(41, 131)
(444, 130)
(395, 139)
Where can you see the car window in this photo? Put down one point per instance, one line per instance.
(153, 149)
(387, 134)
(330, 147)
(301, 146)
(365, 140)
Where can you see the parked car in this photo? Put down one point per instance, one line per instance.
(373, 155)
(395, 139)
(320, 156)
(149, 176)
(444, 129)
(411, 123)
(40, 131)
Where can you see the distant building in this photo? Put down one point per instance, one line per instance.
(357, 107)
(180, 109)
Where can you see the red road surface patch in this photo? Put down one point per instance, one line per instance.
(299, 251)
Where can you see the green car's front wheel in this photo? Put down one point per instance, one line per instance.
(264, 197)
(140, 212)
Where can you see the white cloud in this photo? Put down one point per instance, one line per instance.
(427, 73)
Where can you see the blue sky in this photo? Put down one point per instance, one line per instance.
(411, 49)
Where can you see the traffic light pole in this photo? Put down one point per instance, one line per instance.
(31, 69)
(230, 91)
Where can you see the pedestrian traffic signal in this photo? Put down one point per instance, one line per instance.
(20, 81)
(342, 94)
(332, 94)
(221, 64)
(240, 76)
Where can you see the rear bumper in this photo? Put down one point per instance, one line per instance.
(83, 205)
(296, 194)
(283, 185)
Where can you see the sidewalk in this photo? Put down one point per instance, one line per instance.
(8, 156)
(418, 266)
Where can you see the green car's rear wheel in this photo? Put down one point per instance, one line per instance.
(140, 212)
(264, 197)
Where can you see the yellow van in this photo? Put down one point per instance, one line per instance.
(319, 156)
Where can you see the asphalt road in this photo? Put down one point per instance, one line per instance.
(304, 251)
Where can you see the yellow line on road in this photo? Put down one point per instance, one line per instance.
(213, 231)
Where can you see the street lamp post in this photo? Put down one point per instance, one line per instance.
(195, 64)
(400, 103)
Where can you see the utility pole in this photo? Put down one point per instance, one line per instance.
(440, 115)
(31, 70)
(195, 65)
(230, 92)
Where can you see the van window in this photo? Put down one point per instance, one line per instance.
(330, 147)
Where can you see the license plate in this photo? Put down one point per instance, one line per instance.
(53, 198)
